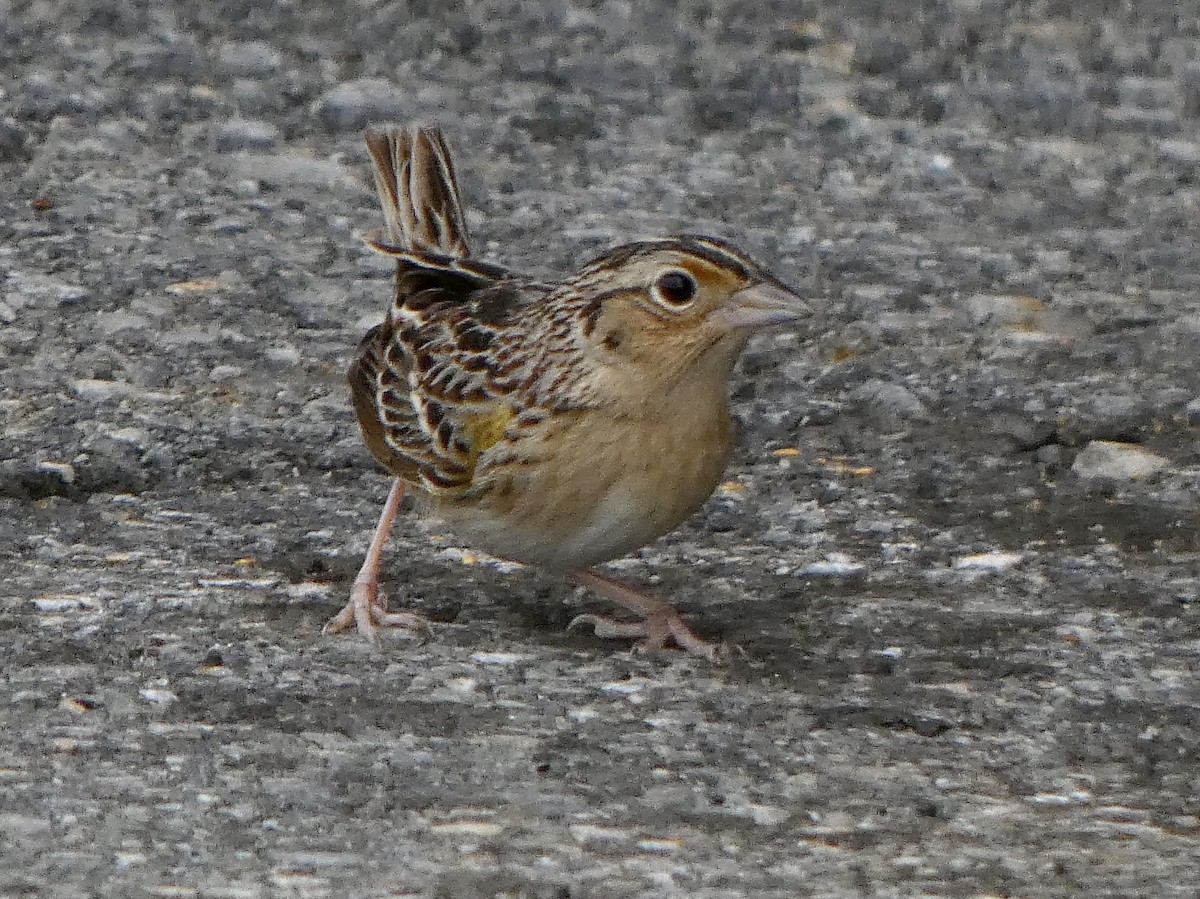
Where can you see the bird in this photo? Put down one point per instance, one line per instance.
(560, 423)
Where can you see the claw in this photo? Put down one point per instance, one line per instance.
(660, 623)
(611, 628)
(367, 610)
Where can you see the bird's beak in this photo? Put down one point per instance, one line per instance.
(761, 305)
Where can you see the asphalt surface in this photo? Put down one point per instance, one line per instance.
(956, 552)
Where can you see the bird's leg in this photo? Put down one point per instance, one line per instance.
(367, 607)
(660, 622)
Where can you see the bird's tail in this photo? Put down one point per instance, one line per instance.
(418, 191)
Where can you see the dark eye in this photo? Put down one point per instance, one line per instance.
(675, 288)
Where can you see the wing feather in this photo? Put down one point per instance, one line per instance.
(421, 381)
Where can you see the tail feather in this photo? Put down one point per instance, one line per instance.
(418, 191)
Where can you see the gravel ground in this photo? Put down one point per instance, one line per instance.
(957, 550)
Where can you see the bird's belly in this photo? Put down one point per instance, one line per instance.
(555, 536)
(597, 498)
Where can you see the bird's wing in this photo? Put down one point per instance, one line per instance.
(432, 385)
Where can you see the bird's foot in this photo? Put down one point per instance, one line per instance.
(653, 633)
(658, 623)
(367, 610)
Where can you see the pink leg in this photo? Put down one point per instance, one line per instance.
(660, 622)
(367, 607)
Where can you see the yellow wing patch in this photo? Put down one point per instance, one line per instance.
(484, 431)
(449, 476)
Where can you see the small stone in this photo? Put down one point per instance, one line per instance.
(1089, 188)
(253, 99)
(134, 436)
(284, 169)
(1120, 414)
(157, 696)
(245, 134)
(1025, 433)
(351, 106)
(12, 141)
(840, 185)
(285, 354)
(252, 59)
(896, 399)
(1147, 93)
(1184, 152)
(939, 164)
(27, 287)
(63, 471)
(1004, 309)
(245, 188)
(121, 320)
(96, 390)
(996, 560)
(1051, 454)
(1192, 410)
(230, 225)
(833, 565)
(224, 373)
(1109, 460)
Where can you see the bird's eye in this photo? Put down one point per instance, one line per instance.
(675, 288)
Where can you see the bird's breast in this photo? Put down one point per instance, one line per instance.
(583, 487)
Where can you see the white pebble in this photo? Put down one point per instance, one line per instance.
(1106, 459)
(993, 561)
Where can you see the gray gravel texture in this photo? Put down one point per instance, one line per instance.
(957, 549)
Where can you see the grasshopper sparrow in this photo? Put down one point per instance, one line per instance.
(557, 423)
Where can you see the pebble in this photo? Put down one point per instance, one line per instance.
(12, 141)
(894, 398)
(1147, 93)
(63, 471)
(254, 99)
(1109, 460)
(1192, 410)
(352, 105)
(97, 390)
(245, 134)
(285, 169)
(990, 561)
(1185, 152)
(245, 188)
(833, 565)
(1003, 309)
(224, 373)
(134, 436)
(230, 225)
(252, 59)
(27, 287)
(283, 354)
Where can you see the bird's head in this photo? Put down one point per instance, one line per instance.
(671, 308)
